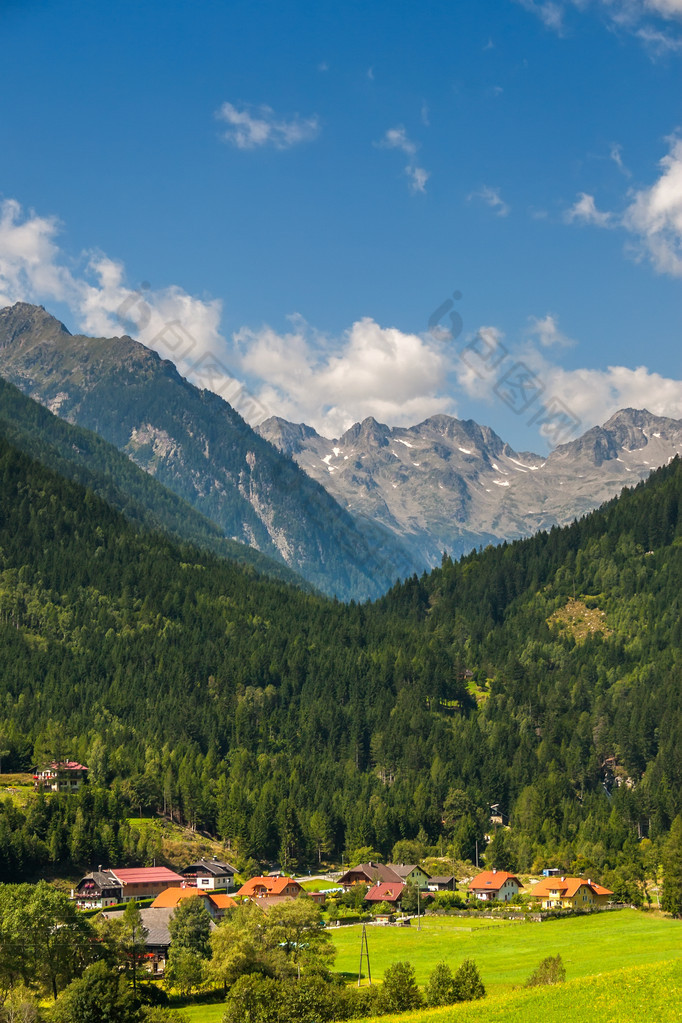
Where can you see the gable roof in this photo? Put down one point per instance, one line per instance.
(386, 892)
(567, 887)
(405, 869)
(492, 880)
(169, 898)
(272, 885)
(213, 867)
(442, 878)
(146, 875)
(373, 872)
(102, 879)
(219, 900)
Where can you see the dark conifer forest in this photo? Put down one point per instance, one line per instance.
(543, 676)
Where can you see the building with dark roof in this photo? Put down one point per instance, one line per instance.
(210, 874)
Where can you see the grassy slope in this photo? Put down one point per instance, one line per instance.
(506, 954)
(648, 989)
(644, 993)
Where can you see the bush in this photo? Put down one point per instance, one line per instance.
(467, 983)
(440, 989)
(399, 992)
(550, 971)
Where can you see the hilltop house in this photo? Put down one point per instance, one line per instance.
(411, 873)
(570, 893)
(61, 776)
(494, 885)
(270, 887)
(103, 888)
(210, 874)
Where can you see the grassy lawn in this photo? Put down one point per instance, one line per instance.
(204, 1013)
(507, 953)
(647, 993)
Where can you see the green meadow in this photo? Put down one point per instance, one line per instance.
(620, 967)
(506, 953)
(644, 994)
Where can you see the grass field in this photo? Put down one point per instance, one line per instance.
(649, 989)
(647, 994)
(507, 953)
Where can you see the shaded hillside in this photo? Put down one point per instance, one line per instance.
(86, 458)
(195, 444)
(286, 723)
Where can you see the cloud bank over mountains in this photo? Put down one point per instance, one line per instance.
(400, 377)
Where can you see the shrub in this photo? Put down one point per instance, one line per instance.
(467, 983)
(399, 992)
(440, 989)
(550, 971)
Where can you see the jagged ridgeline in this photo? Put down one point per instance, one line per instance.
(541, 675)
(199, 447)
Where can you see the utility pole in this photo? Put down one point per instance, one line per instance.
(364, 954)
(476, 854)
(419, 907)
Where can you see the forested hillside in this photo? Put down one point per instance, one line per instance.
(542, 675)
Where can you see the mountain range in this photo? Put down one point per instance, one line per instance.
(451, 485)
(350, 515)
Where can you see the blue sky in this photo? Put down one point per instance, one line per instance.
(281, 195)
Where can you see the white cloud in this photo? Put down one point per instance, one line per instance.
(642, 18)
(372, 370)
(418, 178)
(616, 154)
(587, 397)
(251, 127)
(491, 197)
(584, 209)
(655, 215)
(551, 14)
(546, 330)
(397, 138)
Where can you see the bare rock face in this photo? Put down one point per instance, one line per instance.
(448, 484)
(198, 446)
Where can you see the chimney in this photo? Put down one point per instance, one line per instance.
(563, 878)
(589, 880)
(494, 870)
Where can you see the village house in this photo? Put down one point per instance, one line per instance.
(388, 892)
(210, 874)
(216, 903)
(570, 893)
(442, 883)
(103, 888)
(157, 940)
(369, 873)
(270, 887)
(494, 885)
(61, 776)
(411, 873)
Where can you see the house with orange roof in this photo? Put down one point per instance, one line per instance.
(494, 885)
(171, 897)
(215, 902)
(570, 893)
(267, 887)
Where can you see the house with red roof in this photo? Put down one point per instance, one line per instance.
(270, 887)
(390, 892)
(103, 888)
(494, 885)
(570, 893)
(61, 776)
